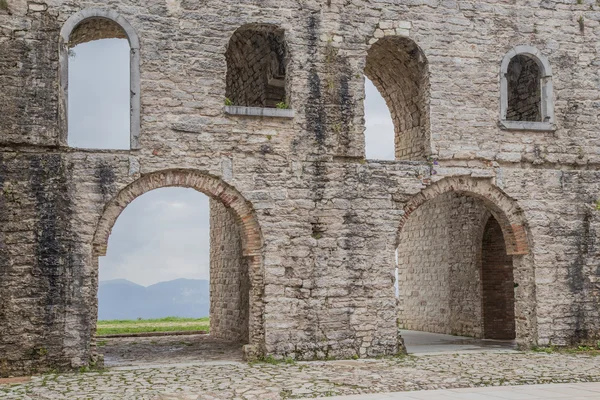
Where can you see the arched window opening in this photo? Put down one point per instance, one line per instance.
(99, 60)
(399, 70)
(526, 90)
(524, 94)
(174, 262)
(497, 285)
(256, 67)
(379, 127)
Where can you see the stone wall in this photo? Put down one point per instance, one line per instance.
(229, 285)
(323, 222)
(96, 29)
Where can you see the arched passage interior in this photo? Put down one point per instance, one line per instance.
(457, 257)
(398, 68)
(235, 253)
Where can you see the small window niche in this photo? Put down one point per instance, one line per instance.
(100, 81)
(526, 91)
(256, 72)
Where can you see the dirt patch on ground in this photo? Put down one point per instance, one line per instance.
(167, 350)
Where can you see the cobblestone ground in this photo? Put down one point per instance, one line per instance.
(235, 380)
(163, 350)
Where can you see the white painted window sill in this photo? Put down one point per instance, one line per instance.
(260, 112)
(527, 126)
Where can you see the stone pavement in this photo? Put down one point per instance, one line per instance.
(232, 380)
(577, 391)
(165, 350)
(424, 343)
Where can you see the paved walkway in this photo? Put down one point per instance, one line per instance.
(422, 343)
(231, 380)
(578, 391)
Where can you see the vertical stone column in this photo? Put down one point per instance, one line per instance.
(498, 285)
(229, 283)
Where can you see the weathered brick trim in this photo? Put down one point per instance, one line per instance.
(502, 207)
(215, 188)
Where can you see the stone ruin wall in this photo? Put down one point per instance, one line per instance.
(328, 218)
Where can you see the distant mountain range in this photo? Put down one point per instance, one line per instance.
(123, 299)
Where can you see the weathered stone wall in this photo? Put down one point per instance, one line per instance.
(439, 277)
(321, 275)
(229, 285)
(524, 96)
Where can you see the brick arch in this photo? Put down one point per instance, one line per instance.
(214, 188)
(209, 185)
(504, 209)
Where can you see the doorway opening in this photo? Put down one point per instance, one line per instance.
(174, 284)
(454, 277)
(99, 85)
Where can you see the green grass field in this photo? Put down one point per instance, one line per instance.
(168, 324)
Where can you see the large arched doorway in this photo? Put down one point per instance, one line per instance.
(236, 277)
(463, 265)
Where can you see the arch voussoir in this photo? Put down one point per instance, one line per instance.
(210, 186)
(504, 209)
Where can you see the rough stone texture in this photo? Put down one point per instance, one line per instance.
(524, 95)
(309, 380)
(95, 29)
(229, 286)
(319, 224)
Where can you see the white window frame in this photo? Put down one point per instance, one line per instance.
(546, 91)
(134, 67)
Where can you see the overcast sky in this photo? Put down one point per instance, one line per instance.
(164, 234)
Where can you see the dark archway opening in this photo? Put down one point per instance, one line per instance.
(454, 276)
(256, 67)
(497, 285)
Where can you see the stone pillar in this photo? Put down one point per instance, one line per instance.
(229, 283)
